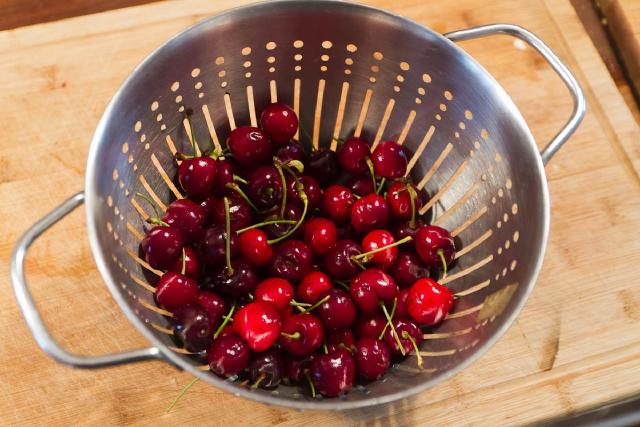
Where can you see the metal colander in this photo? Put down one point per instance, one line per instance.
(347, 70)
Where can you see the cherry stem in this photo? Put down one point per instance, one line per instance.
(407, 336)
(226, 320)
(235, 187)
(372, 173)
(324, 348)
(193, 135)
(382, 181)
(184, 262)
(311, 386)
(156, 219)
(440, 253)
(239, 179)
(393, 312)
(182, 393)
(358, 263)
(305, 201)
(412, 198)
(262, 224)
(298, 304)
(393, 328)
(227, 220)
(318, 304)
(259, 380)
(278, 166)
(365, 256)
(295, 336)
(343, 284)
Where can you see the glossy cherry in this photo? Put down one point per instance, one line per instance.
(175, 290)
(228, 355)
(296, 368)
(370, 212)
(192, 265)
(435, 246)
(372, 357)
(429, 302)
(353, 155)
(370, 326)
(214, 305)
(312, 286)
(207, 207)
(258, 324)
(389, 160)
(187, 216)
(162, 246)
(280, 122)
(338, 311)
(197, 176)
(224, 176)
(292, 150)
(323, 166)
(301, 334)
(333, 374)
(292, 212)
(399, 200)
(193, 327)
(212, 248)
(403, 229)
(253, 246)
(340, 338)
(238, 282)
(401, 305)
(361, 185)
(336, 203)
(266, 369)
(292, 260)
(240, 213)
(372, 287)
(249, 146)
(407, 269)
(403, 327)
(320, 234)
(274, 291)
(377, 239)
(265, 187)
(311, 188)
(338, 262)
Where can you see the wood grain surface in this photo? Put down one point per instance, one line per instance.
(576, 343)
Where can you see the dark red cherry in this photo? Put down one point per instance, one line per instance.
(320, 234)
(197, 176)
(292, 260)
(265, 187)
(266, 369)
(301, 334)
(399, 200)
(193, 327)
(370, 326)
(347, 232)
(333, 373)
(238, 282)
(435, 246)
(370, 212)
(275, 291)
(429, 302)
(403, 327)
(214, 306)
(340, 338)
(228, 355)
(338, 262)
(224, 176)
(401, 306)
(407, 269)
(254, 248)
(292, 150)
(240, 214)
(353, 155)
(249, 146)
(175, 290)
(280, 122)
(207, 207)
(361, 185)
(292, 212)
(296, 368)
(192, 264)
(187, 216)
(371, 287)
(212, 248)
(337, 202)
(323, 166)
(389, 160)
(338, 311)
(407, 228)
(162, 246)
(377, 239)
(312, 286)
(310, 186)
(373, 358)
(258, 324)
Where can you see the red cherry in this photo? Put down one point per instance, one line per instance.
(377, 239)
(336, 204)
(265, 187)
(361, 185)
(238, 282)
(399, 200)
(258, 324)
(175, 290)
(341, 338)
(249, 146)
(274, 291)
(301, 334)
(187, 216)
(311, 188)
(389, 160)
(370, 326)
(291, 260)
(312, 286)
(369, 212)
(292, 150)
(266, 369)
(333, 373)
(193, 327)
(320, 234)
(407, 330)
(372, 287)
(214, 306)
(338, 311)
(224, 176)
(401, 307)
(254, 247)
(407, 269)
(212, 248)
(353, 155)
(429, 302)
(228, 355)
(280, 122)
(191, 263)
(338, 262)
(407, 228)
(296, 368)
(162, 246)
(240, 214)
(373, 358)
(197, 176)
(435, 246)
(323, 166)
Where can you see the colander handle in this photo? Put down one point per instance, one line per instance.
(30, 311)
(579, 102)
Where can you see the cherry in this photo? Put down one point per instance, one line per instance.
(224, 176)
(410, 336)
(249, 146)
(407, 269)
(337, 311)
(311, 188)
(401, 306)
(175, 290)
(214, 306)
(373, 358)
(197, 176)
(292, 212)
(296, 368)
(323, 166)
(291, 260)
(429, 302)
(338, 262)
(347, 232)
(353, 155)
(377, 239)
(187, 216)
(193, 327)
(320, 234)
(228, 355)
(239, 212)
(336, 203)
(292, 150)
(207, 207)
(370, 326)
(280, 122)
(254, 247)
(274, 291)
(361, 185)
(370, 212)
(333, 373)
(192, 267)
(407, 228)
(212, 247)
(266, 369)
(265, 187)
(389, 160)
(301, 334)
(162, 246)
(237, 282)
(435, 246)
(258, 324)
(404, 200)
(341, 338)
(312, 286)
(371, 288)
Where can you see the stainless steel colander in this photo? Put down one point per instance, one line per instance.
(346, 69)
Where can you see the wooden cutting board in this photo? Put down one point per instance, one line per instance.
(576, 344)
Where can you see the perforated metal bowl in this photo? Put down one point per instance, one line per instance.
(346, 69)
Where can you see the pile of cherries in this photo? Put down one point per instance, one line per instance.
(283, 265)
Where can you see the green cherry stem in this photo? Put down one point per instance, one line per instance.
(193, 135)
(259, 380)
(372, 173)
(324, 348)
(262, 224)
(407, 336)
(412, 198)
(239, 179)
(184, 262)
(235, 187)
(440, 253)
(152, 220)
(382, 181)
(294, 336)
(227, 220)
(298, 304)
(305, 201)
(182, 393)
(318, 304)
(278, 167)
(365, 256)
(393, 328)
(311, 386)
(393, 312)
(344, 284)
(226, 320)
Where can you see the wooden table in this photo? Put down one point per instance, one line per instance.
(576, 344)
